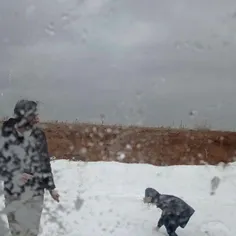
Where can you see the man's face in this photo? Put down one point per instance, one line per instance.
(33, 119)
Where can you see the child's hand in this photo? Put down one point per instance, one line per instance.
(155, 229)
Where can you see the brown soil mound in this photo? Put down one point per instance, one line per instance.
(158, 146)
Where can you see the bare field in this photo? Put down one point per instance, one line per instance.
(158, 146)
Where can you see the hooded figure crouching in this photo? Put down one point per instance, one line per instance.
(175, 212)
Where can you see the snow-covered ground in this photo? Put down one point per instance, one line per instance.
(113, 193)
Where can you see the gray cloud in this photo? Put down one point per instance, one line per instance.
(135, 62)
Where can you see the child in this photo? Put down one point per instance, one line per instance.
(175, 212)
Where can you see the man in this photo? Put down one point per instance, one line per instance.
(25, 169)
(175, 212)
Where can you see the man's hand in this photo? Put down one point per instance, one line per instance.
(25, 177)
(55, 195)
(22, 179)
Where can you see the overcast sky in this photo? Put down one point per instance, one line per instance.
(142, 62)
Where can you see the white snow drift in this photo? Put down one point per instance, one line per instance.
(113, 193)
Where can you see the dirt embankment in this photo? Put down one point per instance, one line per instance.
(158, 146)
